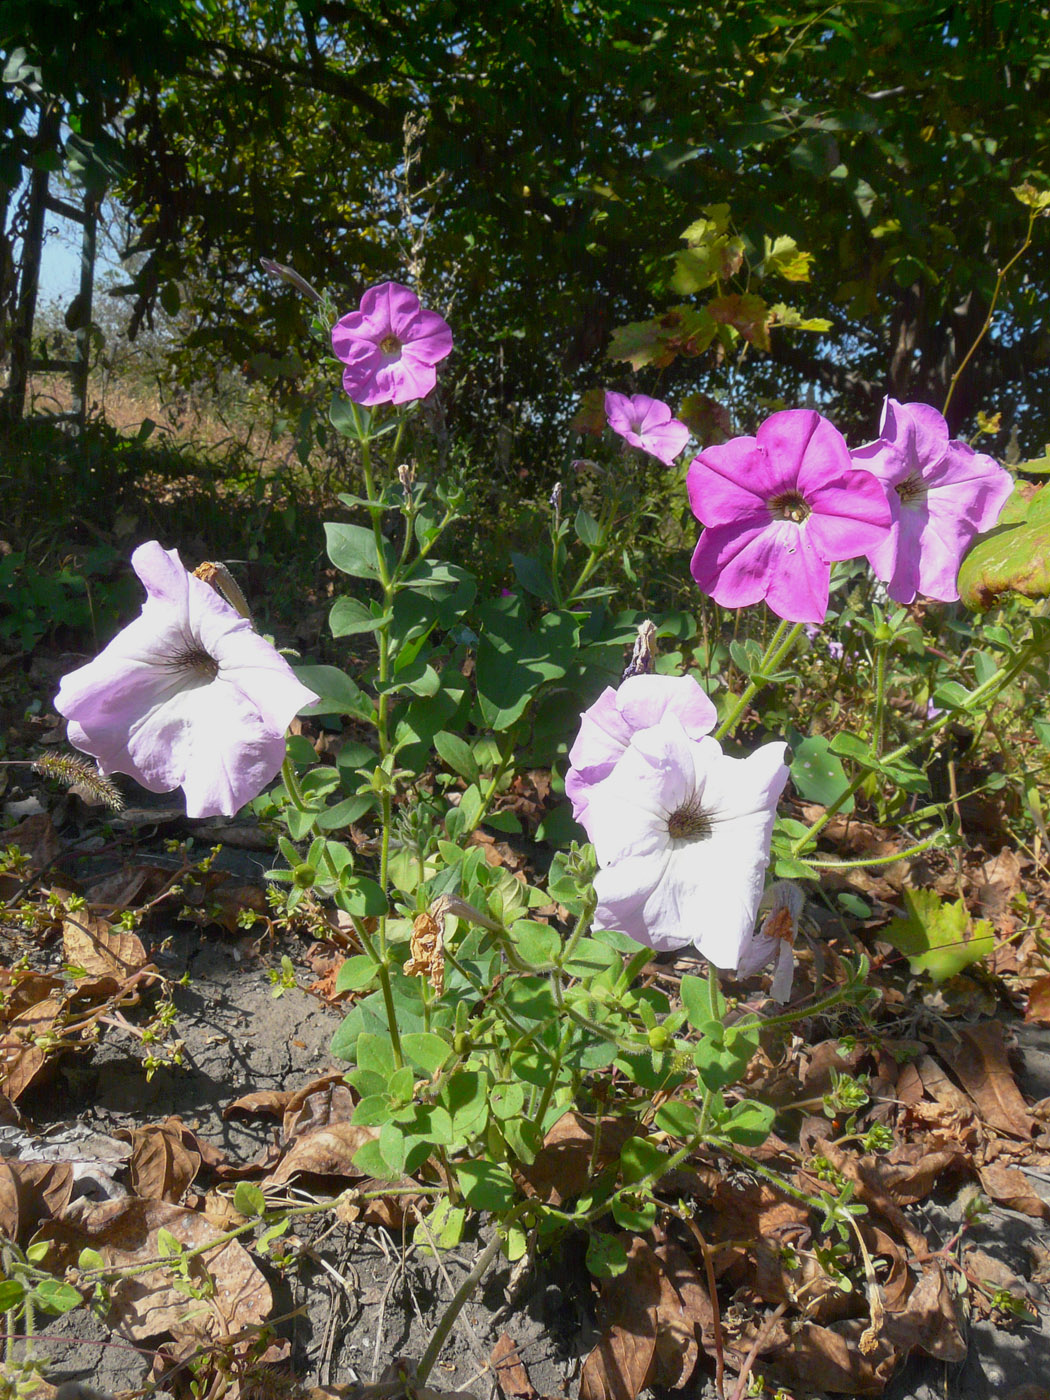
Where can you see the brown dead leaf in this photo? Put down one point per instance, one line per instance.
(825, 1358)
(980, 1063)
(119, 890)
(317, 1105)
(1038, 1008)
(1009, 1187)
(684, 1312)
(564, 1165)
(36, 838)
(101, 949)
(620, 1365)
(511, 1376)
(25, 1048)
(931, 1320)
(277, 1103)
(163, 1162)
(912, 1169)
(31, 1192)
(872, 1191)
(146, 1304)
(325, 1151)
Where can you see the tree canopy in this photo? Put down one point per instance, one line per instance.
(530, 168)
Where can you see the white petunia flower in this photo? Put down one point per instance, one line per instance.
(682, 836)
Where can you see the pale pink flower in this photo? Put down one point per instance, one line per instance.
(188, 695)
(682, 836)
(646, 423)
(606, 729)
(779, 509)
(390, 346)
(942, 494)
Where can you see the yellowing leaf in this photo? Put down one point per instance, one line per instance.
(939, 938)
(784, 258)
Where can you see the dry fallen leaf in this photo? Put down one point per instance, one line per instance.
(327, 1151)
(24, 1047)
(147, 1303)
(507, 1367)
(29, 1193)
(164, 1160)
(1008, 1186)
(567, 1162)
(980, 1063)
(620, 1365)
(100, 949)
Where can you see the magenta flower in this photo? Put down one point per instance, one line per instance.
(606, 729)
(390, 346)
(942, 494)
(779, 509)
(646, 423)
(188, 695)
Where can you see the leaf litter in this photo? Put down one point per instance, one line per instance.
(731, 1280)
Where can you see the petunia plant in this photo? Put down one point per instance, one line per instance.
(487, 1008)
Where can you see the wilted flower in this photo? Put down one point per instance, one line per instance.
(390, 346)
(941, 494)
(188, 695)
(779, 509)
(682, 834)
(606, 729)
(646, 423)
(775, 940)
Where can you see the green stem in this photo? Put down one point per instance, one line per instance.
(291, 784)
(878, 724)
(780, 645)
(583, 925)
(716, 1015)
(464, 1294)
(985, 694)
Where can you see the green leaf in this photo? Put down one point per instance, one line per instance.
(640, 1158)
(1015, 556)
(457, 755)
(55, 1296)
(696, 998)
(537, 943)
(748, 1123)
(506, 1100)
(679, 1118)
(937, 937)
(350, 616)
(427, 1052)
(356, 973)
(817, 773)
(606, 1256)
(485, 1185)
(11, 1293)
(362, 897)
(587, 528)
(248, 1199)
(533, 576)
(638, 1215)
(338, 694)
(352, 549)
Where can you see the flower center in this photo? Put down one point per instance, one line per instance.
(390, 345)
(195, 664)
(689, 822)
(911, 490)
(790, 505)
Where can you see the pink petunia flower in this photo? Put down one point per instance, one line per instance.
(390, 346)
(606, 729)
(779, 509)
(682, 836)
(646, 423)
(942, 494)
(188, 695)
